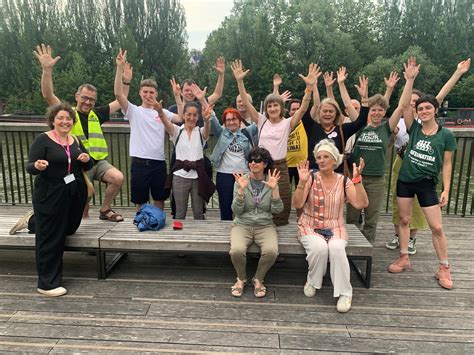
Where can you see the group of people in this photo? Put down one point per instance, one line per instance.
(334, 157)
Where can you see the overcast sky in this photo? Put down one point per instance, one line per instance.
(202, 17)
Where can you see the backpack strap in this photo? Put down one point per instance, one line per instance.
(260, 131)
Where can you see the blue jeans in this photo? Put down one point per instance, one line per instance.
(225, 189)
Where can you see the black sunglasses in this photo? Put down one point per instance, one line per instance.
(255, 159)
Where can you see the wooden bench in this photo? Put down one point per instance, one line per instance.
(213, 236)
(85, 240)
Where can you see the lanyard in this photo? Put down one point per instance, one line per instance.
(66, 149)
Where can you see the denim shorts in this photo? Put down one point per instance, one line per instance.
(424, 189)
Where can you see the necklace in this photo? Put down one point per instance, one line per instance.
(328, 129)
(430, 132)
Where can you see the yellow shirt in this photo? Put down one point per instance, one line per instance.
(297, 146)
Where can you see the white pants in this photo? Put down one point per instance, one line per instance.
(317, 253)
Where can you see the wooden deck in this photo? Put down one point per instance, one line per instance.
(182, 304)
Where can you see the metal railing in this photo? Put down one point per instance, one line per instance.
(16, 183)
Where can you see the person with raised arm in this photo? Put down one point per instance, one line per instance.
(321, 229)
(147, 139)
(256, 198)
(371, 144)
(331, 125)
(417, 220)
(228, 156)
(297, 141)
(88, 127)
(188, 94)
(429, 151)
(274, 129)
(188, 175)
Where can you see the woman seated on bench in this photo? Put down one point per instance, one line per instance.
(256, 198)
(321, 226)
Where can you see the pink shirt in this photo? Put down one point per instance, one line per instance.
(324, 209)
(274, 136)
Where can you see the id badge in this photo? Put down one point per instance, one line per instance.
(69, 178)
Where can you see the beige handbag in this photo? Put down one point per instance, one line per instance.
(87, 181)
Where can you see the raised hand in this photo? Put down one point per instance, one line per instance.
(357, 170)
(220, 65)
(411, 69)
(313, 73)
(342, 75)
(44, 55)
(127, 73)
(303, 170)
(237, 70)
(328, 79)
(241, 180)
(464, 66)
(363, 87)
(121, 58)
(392, 79)
(277, 80)
(200, 94)
(83, 157)
(41, 164)
(273, 177)
(207, 112)
(157, 105)
(175, 87)
(286, 96)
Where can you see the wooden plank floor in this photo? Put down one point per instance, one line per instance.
(182, 304)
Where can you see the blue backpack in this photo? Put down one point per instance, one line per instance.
(150, 217)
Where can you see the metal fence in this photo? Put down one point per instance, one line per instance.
(16, 183)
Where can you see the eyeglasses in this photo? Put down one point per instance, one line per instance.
(87, 98)
(255, 160)
(231, 119)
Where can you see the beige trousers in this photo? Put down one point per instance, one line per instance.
(242, 237)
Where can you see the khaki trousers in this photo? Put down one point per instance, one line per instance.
(241, 237)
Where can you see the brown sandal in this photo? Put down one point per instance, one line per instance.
(114, 217)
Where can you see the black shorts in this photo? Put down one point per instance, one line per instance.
(148, 176)
(424, 189)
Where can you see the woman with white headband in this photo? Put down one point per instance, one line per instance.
(321, 227)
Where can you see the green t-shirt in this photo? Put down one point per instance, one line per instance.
(424, 154)
(371, 144)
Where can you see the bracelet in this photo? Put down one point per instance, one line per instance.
(125, 82)
(357, 180)
(300, 187)
(308, 91)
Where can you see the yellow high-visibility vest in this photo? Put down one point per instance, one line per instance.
(96, 144)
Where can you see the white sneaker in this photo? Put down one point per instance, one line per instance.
(309, 290)
(412, 246)
(393, 244)
(55, 292)
(344, 304)
(22, 222)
